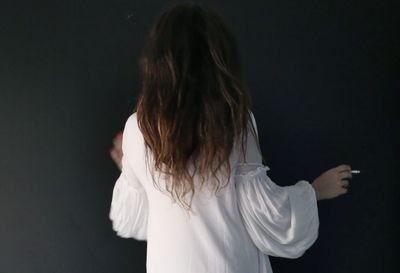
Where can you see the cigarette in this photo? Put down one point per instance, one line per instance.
(355, 171)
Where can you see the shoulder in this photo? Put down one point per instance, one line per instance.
(131, 122)
(132, 118)
(132, 139)
(131, 129)
(253, 120)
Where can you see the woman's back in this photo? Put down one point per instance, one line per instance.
(211, 239)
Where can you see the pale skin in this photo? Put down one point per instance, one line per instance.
(116, 150)
(330, 184)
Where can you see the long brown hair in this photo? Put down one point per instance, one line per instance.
(193, 105)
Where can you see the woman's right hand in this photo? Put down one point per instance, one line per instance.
(333, 182)
(116, 151)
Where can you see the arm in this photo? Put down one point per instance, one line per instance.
(281, 221)
(129, 205)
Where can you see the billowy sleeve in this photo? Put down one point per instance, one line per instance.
(282, 221)
(129, 204)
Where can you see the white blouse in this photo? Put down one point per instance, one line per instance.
(233, 231)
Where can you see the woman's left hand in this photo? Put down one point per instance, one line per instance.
(116, 150)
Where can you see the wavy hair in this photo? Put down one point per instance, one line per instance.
(193, 105)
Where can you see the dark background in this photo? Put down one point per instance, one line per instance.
(323, 77)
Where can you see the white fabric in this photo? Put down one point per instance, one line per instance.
(282, 221)
(231, 232)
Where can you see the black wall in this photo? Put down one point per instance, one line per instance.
(324, 82)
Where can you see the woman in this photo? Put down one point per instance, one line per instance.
(193, 183)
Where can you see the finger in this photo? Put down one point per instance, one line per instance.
(345, 183)
(117, 141)
(114, 155)
(119, 152)
(117, 146)
(345, 175)
(343, 167)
